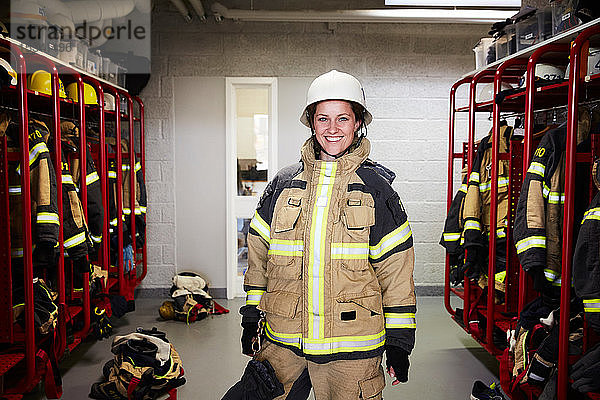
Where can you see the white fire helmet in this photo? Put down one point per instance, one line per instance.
(11, 72)
(109, 102)
(486, 91)
(593, 64)
(546, 72)
(335, 85)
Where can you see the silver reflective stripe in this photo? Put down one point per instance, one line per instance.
(591, 305)
(47, 218)
(114, 222)
(463, 188)
(138, 166)
(535, 377)
(36, 151)
(352, 251)
(537, 168)
(75, 240)
(143, 209)
(318, 239)
(451, 237)
(112, 174)
(470, 224)
(400, 320)
(96, 239)
(593, 213)
(14, 190)
(16, 252)
(390, 241)
(289, 339)
(260, 226)
(91, 178)
(67, 179)
(532, 241)
(343, 344)
(253, 297)
(286, 247)
(552, 276)
(484, 187)
(474, 177)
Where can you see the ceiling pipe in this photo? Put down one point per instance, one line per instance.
(365, 16)
(88, 10)
(199, 9)
(183, 10)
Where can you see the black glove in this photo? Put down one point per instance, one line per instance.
(44, 254)
(102, 325)
(250, 319)
(457, 269)
(585, 372)
(397, 363)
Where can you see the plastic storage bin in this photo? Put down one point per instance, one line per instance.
(92, 64)
(481, 51)
(534, 29)
(563, 15)
(506, 44)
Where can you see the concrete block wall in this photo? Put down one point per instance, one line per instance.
(406, 69)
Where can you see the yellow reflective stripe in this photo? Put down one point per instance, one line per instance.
(342, 344)
(74, 240)
(500, 276)
(474, 177)
(114, 222)
(532, 241)
(143, 209)
(138, 166)
(591, 305)
(47, 218)
(112, 174)
(537, 168)
(463, 188)
(67, 179)
(349, 251)
(500, 233)
(14, 190)
(484, 187)
(451, 237)
(253, 297)
(552, 276)
(289, 248)
(390, 241)
(91, 178)
(592, 213)
(96, 239)
(318, 239)
(34, 153)
(470, 224)
(400, 320)
(16, 252)
(260, 226)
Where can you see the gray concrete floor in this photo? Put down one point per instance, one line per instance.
(444, 365)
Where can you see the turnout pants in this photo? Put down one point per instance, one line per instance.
(335, 380)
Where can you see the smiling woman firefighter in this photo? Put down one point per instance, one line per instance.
(330, 265)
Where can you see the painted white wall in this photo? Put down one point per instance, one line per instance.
(199, 123)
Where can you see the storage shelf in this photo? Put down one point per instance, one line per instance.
(8, 361)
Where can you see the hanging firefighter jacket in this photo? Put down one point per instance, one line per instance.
(539, 214)
(476, 210)
(44, 211)
(140, 195)
(586, 261)
(452, 239)
(95, 209)
(331, 260)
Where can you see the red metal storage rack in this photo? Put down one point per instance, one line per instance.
(518, 288)
(20, 358)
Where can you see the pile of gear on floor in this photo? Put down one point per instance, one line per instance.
(190, 299)
(145, 366)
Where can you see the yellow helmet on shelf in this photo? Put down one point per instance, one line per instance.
(89, 94)
(41, 82)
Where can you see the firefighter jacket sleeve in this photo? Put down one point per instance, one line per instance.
(391, 254)
(586, 264)
(43, 191)
(539, 209)
(95, 208)
(473, 229)
(255, 279)
(451, 237)
(76, 242)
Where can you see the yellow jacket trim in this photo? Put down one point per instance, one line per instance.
(532, 241)
(91, 178)
(288, 248)
(253, 297)
(400, 320)
(47, 218)
(261, 227)
(349, 251)
(537, 168)
(75, 240)
(591, 305)
(390, 241)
